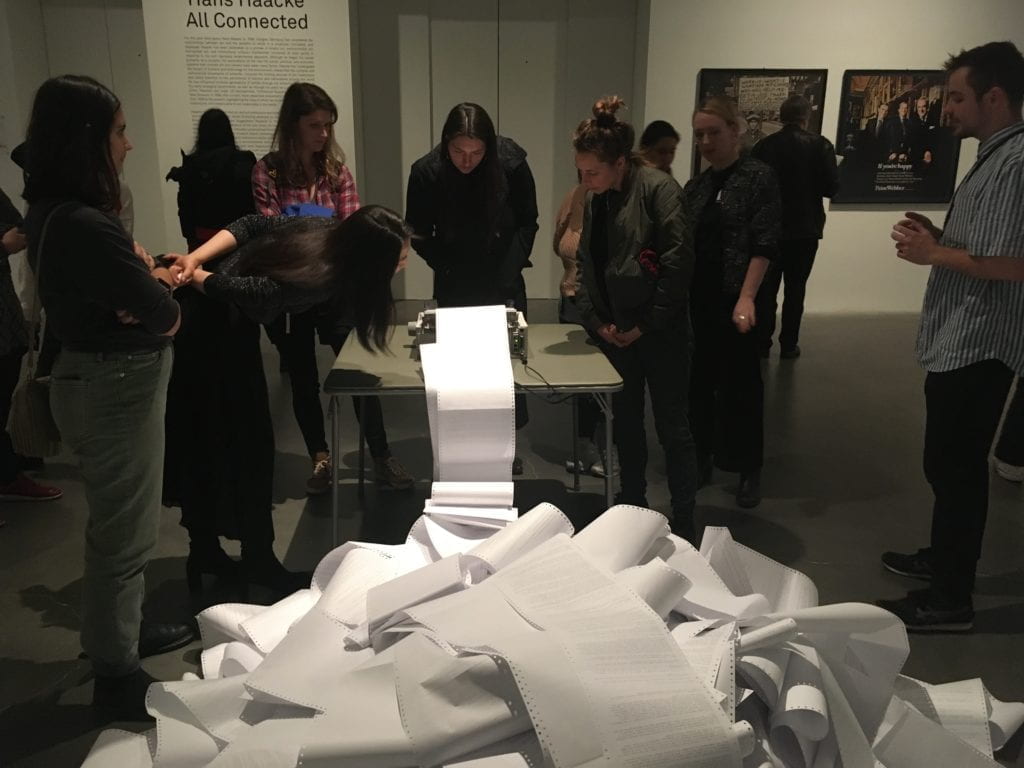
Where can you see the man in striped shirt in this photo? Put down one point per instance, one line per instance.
(971, 339)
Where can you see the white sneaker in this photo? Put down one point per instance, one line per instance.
(597, 468)
(587, 457)
(1009, 471)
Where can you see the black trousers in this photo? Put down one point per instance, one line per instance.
(963, 409)
(794, 263)
(295, 339)
(726, 390)
(658, 361)
(10, 372)
(1010, 448)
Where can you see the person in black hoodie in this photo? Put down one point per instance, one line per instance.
(213, 191)
(473, 205)
(213, 181)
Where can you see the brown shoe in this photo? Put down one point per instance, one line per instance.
(391, 474)
(320, 481)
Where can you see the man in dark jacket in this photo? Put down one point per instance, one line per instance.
(475, 229)
(472, 203)
(806, 166)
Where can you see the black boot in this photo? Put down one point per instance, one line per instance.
(123, 697)
(263, 568)
(211, 560)
(748, 494)
(158, 637)
(682, 525)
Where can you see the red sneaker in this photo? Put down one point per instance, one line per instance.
(24, 488)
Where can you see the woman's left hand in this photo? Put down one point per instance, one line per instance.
(743, 315)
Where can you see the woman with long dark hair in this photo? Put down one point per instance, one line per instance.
(737, 212)
(306, 175)
(213, 180)
(636, 257)
(269, 266)
(114, 319)
(473, 205)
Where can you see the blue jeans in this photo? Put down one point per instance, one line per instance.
(109, 408)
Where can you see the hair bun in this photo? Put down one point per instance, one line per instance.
(605, 109)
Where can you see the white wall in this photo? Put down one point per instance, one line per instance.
(100, 38)
(23, 66)
(856, 269)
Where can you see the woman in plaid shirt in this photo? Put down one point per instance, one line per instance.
(306, 175)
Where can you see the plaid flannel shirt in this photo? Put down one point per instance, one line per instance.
(272, 194)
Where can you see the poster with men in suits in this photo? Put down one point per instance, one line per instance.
(893, 141)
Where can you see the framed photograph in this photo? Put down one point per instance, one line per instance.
(892, 141)
(759, 93)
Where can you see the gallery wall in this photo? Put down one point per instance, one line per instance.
(856, 269)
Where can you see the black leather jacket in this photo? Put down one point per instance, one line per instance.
(650, 256)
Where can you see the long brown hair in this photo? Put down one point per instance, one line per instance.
(299, 100)
(356, 257)
(68, 143)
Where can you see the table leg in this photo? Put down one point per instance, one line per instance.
(575, 443)
(335, 451)
(362, 446)
(605, 403)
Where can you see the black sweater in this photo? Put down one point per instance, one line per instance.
(262, 298)
(88, 271)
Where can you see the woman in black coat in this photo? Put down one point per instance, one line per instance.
(473, 206)
(736, 209)
(261, 267)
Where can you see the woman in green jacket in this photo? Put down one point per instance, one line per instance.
(635, 260)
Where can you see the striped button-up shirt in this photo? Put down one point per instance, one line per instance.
(966, 320)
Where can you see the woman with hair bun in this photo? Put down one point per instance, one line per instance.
(737, 210)
(636, 258)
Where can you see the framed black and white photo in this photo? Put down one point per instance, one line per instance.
(758, 94)
(893, 143)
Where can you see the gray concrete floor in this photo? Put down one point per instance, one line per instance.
(842, 482)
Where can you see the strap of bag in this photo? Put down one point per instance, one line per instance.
(37, 321)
